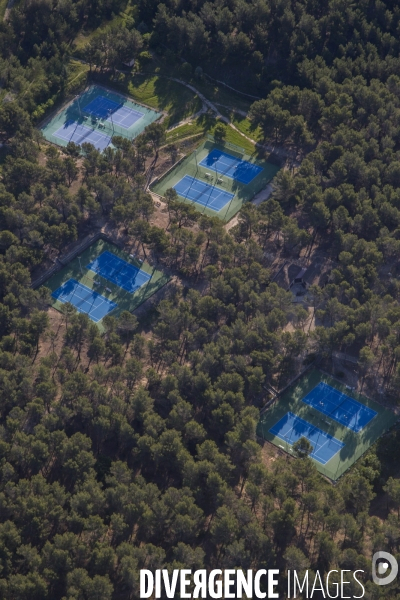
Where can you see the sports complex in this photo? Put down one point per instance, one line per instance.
(217, 178)
(339, 423)
(104, 280)
(95, 116)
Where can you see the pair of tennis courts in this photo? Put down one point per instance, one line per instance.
(84, 299)
(339, 434)
(95, 117)
(96, 294)
(72, 131)
(340, 407)
(332, 403)
(118, 271)
(203, 193)
(110, 267)
(291, 428)
(231, 166)
(105, 108)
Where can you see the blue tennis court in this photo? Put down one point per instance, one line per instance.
(291, 428)
(203, 193)
(236, 168)
(84, 299)
(340, 407)
(72, 131)
(121, 115)
(118, 271)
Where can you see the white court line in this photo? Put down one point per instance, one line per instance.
(322, 461)
(360, 408)
(324, 444)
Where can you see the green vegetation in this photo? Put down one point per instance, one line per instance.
(137, 447)
(3, 6)
(123, 19)
(206, 124)
(163, 94)
(183, 131)
(77, 73)
(219, 94)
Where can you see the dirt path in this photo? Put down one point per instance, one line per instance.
(189, 119)
(243, 113)
(258, 198)
(282, 152)
(212, 106)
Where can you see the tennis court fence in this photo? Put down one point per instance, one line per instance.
(63, 261)
(191, 165)
(241, 152)
(74, 111)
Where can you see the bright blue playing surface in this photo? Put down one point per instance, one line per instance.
(84, 299)
(120, 272)
(72, 131)
(340, 407)
(233, 167)
(121, 115)
(291, 428)
(203, 193)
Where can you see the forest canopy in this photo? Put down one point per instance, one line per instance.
(138, 448)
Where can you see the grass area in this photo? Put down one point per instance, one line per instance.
(77, 73)
(206, 124)
(121, 19)
(184, 131)
(124, 300)
(355, 444)
(243, 124)
(234, 137)
(222, 95)
(163, 94)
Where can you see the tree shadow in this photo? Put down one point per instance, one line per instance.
(179, 101)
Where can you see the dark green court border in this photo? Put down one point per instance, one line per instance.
(190, 165)
(124, 300)
(356, 444)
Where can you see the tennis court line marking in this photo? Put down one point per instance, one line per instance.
(79, 307)
(81, 133)
(121, 274)
(215, 161)
(327, 436)
(330, 394)
(315, 450)
(202, 190)
(98, 107)
(324, 444)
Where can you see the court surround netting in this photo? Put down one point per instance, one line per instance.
(323, 393)
(202, 193)
(96, 303)
(299, 428)
(190, 165)
(75, 111)
(355, 444)
(125, 301)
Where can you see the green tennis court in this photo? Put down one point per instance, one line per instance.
(346, 445)
(221, 169)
